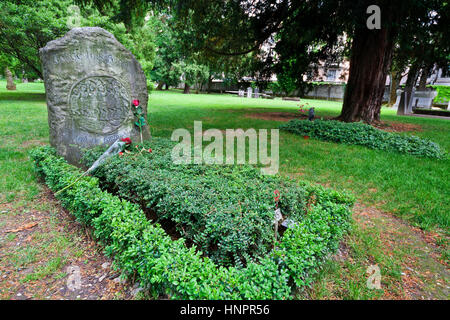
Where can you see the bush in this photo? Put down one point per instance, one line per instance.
(226, 211)
(365, 135)
(443, 94)
(144, 251)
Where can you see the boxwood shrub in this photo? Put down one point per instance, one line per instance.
(144, 251)
(226, 211)
(365, 135)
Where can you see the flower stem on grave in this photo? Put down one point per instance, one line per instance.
(68, 186)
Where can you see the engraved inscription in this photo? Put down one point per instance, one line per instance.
(78, 57)
(111, 139)
(99, 104)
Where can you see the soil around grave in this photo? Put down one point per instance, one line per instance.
(36, 259)
(424, 274)
(273, 116)
(393, 126)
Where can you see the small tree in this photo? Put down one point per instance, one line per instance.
(194, 74)
(27, 25)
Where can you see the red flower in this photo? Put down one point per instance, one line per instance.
(120, 153)
(277, 194)
(150, 150)
(135, 102)
(126, 140)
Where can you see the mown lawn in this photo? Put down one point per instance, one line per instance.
(415, 189)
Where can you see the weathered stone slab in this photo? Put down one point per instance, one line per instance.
(10, 85)
(249, 92)
(423, 99)
(90, 82)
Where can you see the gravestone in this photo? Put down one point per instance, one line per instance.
(397, 101)
(420, 99)
(423, 99)
(90, 82)
(256, 92)
(10, 85)
(405, 106)
(249, 92)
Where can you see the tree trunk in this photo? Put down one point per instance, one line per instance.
(209, 83)
(10, 85)
(395, 81)
(187, 88)
(423, 78)
(160, 85)
(370, 60)
(410, 84)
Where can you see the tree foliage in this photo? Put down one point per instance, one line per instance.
(27, 25)
(261, 38)
(168, 51)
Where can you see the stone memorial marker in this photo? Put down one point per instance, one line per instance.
(256, 92)
(397, 101)
(423, 99)
(90, 82)
(249, 92)
(10, 85)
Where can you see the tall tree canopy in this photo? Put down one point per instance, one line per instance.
(419, 49)
(286, 37)
(27, 25)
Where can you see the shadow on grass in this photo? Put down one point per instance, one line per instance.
(21, 96)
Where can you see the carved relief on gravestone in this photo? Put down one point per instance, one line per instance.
(91, 81)
(99, 104)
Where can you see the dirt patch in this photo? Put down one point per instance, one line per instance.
(56, 259)
(390, 126)
(274, 116)
(32, 143)
(393, 126)
(424, 275)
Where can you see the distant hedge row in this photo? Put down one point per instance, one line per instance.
(362, 134)
(143, 250)
(434, 112)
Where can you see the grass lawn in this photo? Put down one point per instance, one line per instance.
(411, 187)
(415, 189)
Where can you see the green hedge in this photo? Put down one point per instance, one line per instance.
(443, 94)
(359, 133)
(226, 211)
(433, 112)
(143, 250)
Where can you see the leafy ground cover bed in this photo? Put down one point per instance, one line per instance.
(359, 133)
(142, 249)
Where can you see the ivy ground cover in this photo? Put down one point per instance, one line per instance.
(362, 134)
